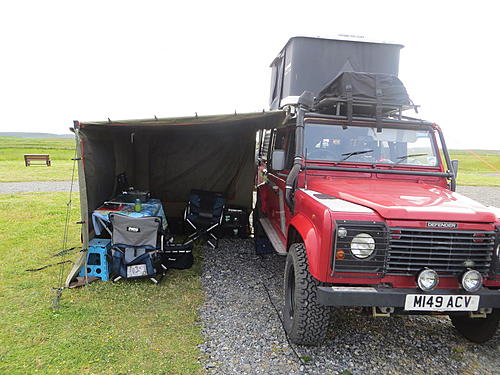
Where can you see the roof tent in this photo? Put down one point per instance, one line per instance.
(308, 64)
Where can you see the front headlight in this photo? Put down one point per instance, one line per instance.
(362, 245)
(472, 281)
(427, 279)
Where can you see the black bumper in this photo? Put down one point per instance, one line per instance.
(389, 297)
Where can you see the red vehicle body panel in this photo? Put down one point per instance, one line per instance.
(398, 202)
(405, 200)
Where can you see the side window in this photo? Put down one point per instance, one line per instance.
(276, 79)
(265, 145)
(280, 140)
(284, 139)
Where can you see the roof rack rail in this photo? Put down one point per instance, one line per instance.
(369, 108)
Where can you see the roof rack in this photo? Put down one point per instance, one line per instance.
(369, 108)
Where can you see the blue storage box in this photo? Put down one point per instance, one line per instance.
(98, 259)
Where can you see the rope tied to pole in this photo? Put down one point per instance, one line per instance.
(59, 289)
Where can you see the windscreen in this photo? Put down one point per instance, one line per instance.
(392, 146)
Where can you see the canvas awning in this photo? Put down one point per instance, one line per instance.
(171, 156)
(256, 120)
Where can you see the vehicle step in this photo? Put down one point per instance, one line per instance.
(273, 236)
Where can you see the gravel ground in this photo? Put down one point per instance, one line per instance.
(36, 187)
(244, 335)
(488, 195)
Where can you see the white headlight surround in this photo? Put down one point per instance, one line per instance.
(472, 281)
(362, 245)
(427, 279)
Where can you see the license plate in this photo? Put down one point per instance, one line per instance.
(137, 270)
(441, 302)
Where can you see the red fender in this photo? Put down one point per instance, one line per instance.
(318, 260)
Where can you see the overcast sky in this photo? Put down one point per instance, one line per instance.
(90, 60)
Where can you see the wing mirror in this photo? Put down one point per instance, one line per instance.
(278, 163)
(454, 166)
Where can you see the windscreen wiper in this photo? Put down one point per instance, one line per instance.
(349, 154)
(401, 158)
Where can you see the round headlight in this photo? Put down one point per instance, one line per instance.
(472, 281)
(362, 245)
(427, 279)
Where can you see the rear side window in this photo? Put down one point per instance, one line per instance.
(265, 144)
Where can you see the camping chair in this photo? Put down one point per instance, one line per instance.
(204, 213)
(135, 247)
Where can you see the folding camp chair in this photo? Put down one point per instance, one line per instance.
(203, 213)
(136, 242)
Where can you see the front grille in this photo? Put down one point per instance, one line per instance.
(448, 252)
(495, 269)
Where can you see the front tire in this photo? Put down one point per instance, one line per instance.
(477, 330)
(305, 320)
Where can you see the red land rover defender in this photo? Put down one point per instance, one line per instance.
(361, 199)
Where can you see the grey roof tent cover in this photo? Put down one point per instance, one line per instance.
(364, 87)
(308, 64)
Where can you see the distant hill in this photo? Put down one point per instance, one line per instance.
(35, 135)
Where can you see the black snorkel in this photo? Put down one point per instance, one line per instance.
(305, 103)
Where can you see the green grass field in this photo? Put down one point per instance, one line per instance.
(12, 168)
(476, 166)
(105, 328)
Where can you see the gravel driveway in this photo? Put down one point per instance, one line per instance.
(241, 323)
(487, 195)
(36, 187)
(244, 333)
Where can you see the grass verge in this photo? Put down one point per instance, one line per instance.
(477, 167)
(12, 150)
(105, 328)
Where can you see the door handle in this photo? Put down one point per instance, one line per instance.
(275, 188)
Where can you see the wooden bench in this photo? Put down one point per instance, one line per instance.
(42, 158)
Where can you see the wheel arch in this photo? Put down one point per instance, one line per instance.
(302, 230)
